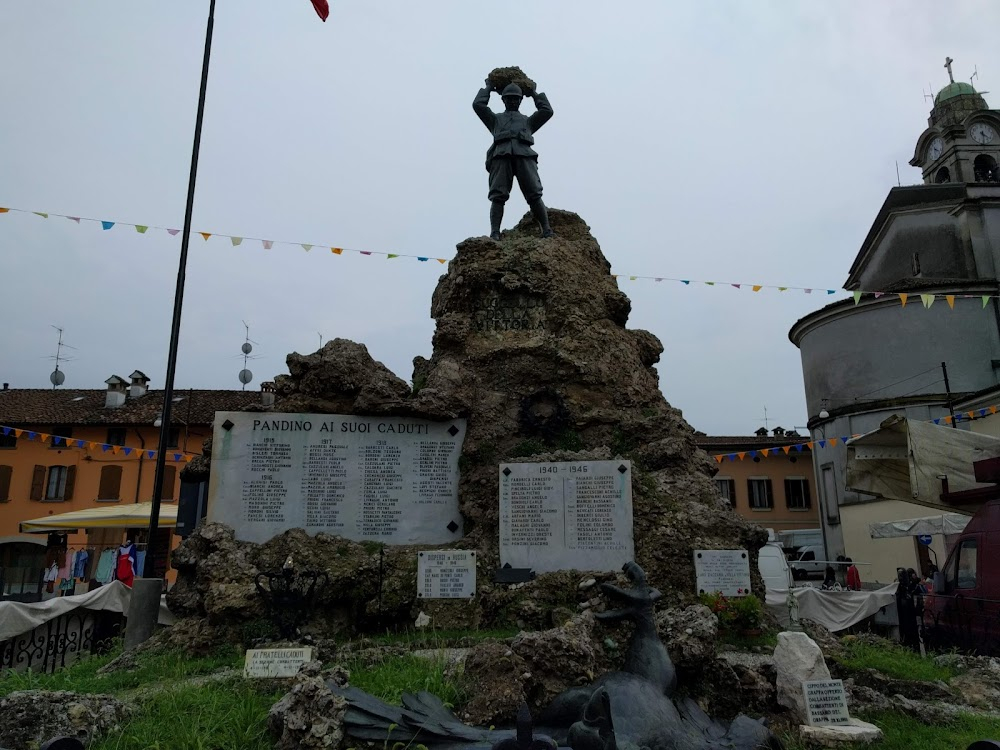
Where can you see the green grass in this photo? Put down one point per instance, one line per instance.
(767, 639)
(227, 715)
(892, 660)
(153, 667)
(405, 674)
(904, 732)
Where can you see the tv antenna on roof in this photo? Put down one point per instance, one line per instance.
(245, 375)
(58, 377)
(929, 94)
(975, 73)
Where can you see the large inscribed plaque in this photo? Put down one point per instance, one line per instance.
(383, 479)
(569, 515)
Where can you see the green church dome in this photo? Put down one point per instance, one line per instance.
(959, 88)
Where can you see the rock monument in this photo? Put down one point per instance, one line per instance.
(531, 349)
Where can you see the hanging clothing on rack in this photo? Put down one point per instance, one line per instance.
(125, 564)
(105, 566)
(80, 564)
(51, 573)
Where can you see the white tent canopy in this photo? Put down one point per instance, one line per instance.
(904, 460)
(946, 523)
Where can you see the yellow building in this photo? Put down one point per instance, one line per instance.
(775, 489)
(65, 450)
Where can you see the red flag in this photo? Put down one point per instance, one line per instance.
(322, 8)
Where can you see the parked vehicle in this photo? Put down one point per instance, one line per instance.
(798, 538)
(964, 609)
(809, 562)
(773, 567)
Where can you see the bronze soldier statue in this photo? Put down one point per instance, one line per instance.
(511, 154)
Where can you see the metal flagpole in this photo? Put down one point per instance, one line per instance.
(175, 327)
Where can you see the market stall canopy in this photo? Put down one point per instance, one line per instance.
(946, 523)
(111, 517)
(904, 460)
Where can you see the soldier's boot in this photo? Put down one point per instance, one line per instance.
(541, 215)
(496, 216)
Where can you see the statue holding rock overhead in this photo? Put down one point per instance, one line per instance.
(511, 154)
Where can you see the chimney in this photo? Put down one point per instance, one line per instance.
(6, 386)
(139, 386)
(267, 393)
(115, 396)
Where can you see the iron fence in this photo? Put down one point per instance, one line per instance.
(61, 641)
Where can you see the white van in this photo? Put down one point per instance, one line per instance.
(773, 567)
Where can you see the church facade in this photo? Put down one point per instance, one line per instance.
(863, 362)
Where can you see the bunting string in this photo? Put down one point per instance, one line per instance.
(926, 299)
(968, 416)
(21, 434)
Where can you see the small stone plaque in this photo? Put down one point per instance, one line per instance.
(566, 515)
(275, 662)
(826, 702)
(446, 574)
(722, 570)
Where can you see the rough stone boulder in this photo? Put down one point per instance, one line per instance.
(310, 715)
(340, 378)
(31, 717)
(500, 677)
(797, 659)
(691, 635)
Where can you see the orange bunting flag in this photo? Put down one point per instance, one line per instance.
(42, 437)
(764, 451)
(993, 410)
(786, 449)
(947, 420)
(718, 459)
(972, 414)
(951, 300)
(337, 250)
(832, 441)
(757, 287)
(809, 445)
(741, 455)
(206, 235)
(17, 433)
(115, 449)
(442, 261)
(902, 298)
(4, 210)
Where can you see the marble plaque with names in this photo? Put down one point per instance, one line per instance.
(722, 570)
(275, 662)
(446, 574)
(380, 479)
(567, 515)
(826, 702)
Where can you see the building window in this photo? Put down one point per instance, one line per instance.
(53, 484)
(60, 431)
(967, 559)
(111, 484)
(760, 493)
(116, 436)
(173, 435)
(8, 442)
(797, 493)
(727, 488)
(5, 474)
(985, 169)
(169, 480)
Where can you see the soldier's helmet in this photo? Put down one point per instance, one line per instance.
(511, 89)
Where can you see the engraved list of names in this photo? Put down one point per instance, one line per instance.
(566, 515)
(384, 479)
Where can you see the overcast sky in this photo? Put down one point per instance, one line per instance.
(727, 141)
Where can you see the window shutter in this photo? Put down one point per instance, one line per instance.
(38, 483)
(169, 473)
(70, 481)
(806, 497)
(111, 483)
(788, 493)
(5, 474)
(750, 496)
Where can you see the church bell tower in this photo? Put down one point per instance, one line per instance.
(962, 141)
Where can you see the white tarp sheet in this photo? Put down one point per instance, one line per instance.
(903, 459)
(836, 610)
(17, 618)
(946, 523)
